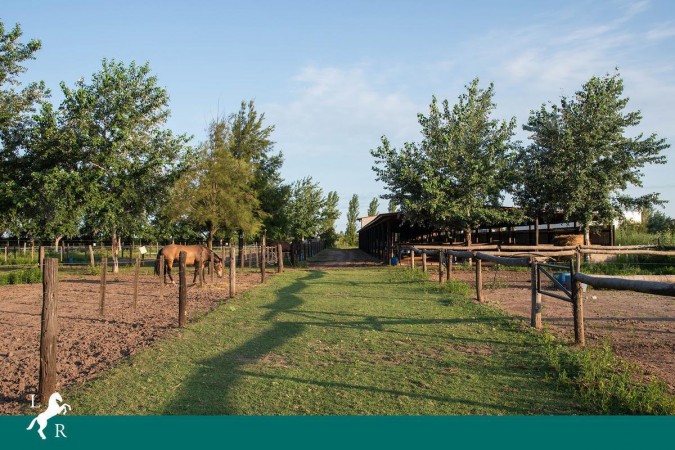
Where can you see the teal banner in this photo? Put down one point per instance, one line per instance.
(193, 432)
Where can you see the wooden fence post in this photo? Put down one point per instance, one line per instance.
(280, 258)
(212, 268)
(6, 249)
(448, 267)
(233, 272)
(578, 303)
(263, 256)
(136, 272)
(32, 250)
(182, 290)
(48, 330)
(479, 280)
(440, 268)
(101, 303)
(41, 257)
(424, 262)
(535, 315)
(222, 254)
(412, 259)
(91, 256)
(161, 277)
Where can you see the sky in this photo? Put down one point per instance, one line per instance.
(334, 77)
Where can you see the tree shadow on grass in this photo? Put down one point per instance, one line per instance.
(208, 391)
(211, 389)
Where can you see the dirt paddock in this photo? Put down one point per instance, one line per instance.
(640, 327)
(87, 342)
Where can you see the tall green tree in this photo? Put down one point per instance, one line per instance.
(455, 177)
(250, 140)
(215, 192)
(590, 161)
(331, 213)
(372, 207)
(352, 217)
(392, 206)
(54, 193)
(18, 102)
(306, 209)
(129, 159)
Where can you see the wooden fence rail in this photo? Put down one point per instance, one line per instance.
(530, 256)
(623, 284)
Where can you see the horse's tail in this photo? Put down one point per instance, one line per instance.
(30, 427)
(159, 253)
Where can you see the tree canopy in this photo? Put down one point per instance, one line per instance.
(455, 177)
(583, 159)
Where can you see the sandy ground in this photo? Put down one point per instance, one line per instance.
(639, 327)
(87, 342)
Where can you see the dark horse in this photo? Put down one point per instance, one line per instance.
(195, 254)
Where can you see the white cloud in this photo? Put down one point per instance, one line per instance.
(333, 106)
(661, 32)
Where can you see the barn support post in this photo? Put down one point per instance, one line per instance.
(182, 290)
(48, 330)
(233, 272)
(136, 273)
(101, 303)
(535, 315)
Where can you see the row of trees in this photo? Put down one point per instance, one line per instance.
(579, 163)
(102, 164)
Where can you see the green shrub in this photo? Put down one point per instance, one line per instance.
(25, 276)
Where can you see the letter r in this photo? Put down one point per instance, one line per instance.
(59, 430)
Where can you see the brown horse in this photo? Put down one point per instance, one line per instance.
(195, 254)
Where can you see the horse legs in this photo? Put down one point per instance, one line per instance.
(168, 272)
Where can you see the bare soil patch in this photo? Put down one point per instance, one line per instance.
(87, 342)
(639, 327)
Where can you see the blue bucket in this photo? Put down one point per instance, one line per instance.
(394, 261)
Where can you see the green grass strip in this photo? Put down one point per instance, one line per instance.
(376, 341)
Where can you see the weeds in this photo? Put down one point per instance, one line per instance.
(24, 276)
(606, 383)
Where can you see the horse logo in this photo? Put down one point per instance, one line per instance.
(52, 410)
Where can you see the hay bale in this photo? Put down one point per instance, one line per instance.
(563, 240)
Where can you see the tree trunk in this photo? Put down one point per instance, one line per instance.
(467, 236)
(587, 234)
(114, 250)
(57, 239)
(536, 230)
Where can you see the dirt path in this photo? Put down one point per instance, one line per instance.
(338, 258)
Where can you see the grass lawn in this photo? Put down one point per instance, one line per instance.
(342, 342)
